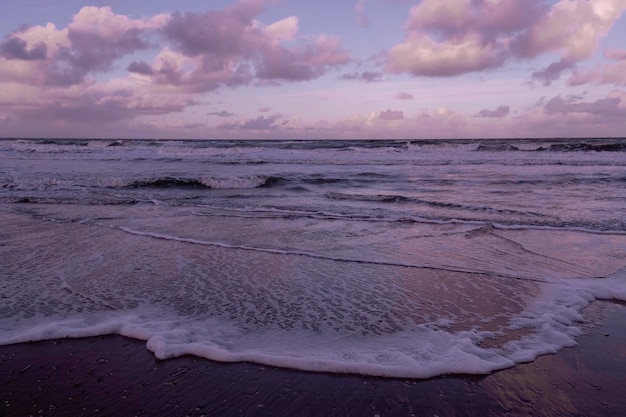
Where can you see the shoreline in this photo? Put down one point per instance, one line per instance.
(114, 375)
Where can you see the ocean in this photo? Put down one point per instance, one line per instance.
(407, 259)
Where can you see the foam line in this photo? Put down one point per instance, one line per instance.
(308, 254)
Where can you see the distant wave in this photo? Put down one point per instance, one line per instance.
(569, 145)
(585, 147)
(201, 182)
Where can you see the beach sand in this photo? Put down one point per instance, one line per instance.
(116, 376)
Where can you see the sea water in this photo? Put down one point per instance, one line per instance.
(391, 258)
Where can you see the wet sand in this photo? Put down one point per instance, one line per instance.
(116, 376)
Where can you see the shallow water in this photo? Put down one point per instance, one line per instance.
(385, 258)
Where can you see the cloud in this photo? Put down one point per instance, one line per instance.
(200, 51)
(272, 122)
(404, 96)
(300, 63)
(462, 36)
(17, 48)
(98, 37)
(427, 57)
(94, 39)
(367, 76)
(51, 74)
(222, 113)
(265, 109)
(221, 34)
(230, 47)
(98, 108)
(571, 27)
(501, 111)
(193, 126)
(391, 115)
(359, 11)
(283, 30)
(615, 54)
(607, 73)
(90, 109)
(612, 106)
(140, 67)
(552, 72)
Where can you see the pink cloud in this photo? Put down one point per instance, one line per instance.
(202, 52)
(199, 53)
(461, 36)
(571, 27)
(421, 55)
(359, 10)
(615, 54)
(91, 43)
(609, 73)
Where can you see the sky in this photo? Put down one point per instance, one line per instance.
(303, 69)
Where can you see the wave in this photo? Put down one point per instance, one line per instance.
(191, 147)
(393, 198)
(203, 182)
(275, 213)
(208, 182)
(557, 145)
(243, 182)
(585, 147)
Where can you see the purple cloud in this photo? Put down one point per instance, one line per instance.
(140, 67)
(404, 96)
(552, 72)
(16, 48)
(229, 32)
(222, 113)
(391, 115)
(96, 108)
(231, 48)
(501, 111)
(300, 64)
(367, 76)
(609, 106)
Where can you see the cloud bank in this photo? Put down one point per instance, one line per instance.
(112, 74)
(449, 38)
